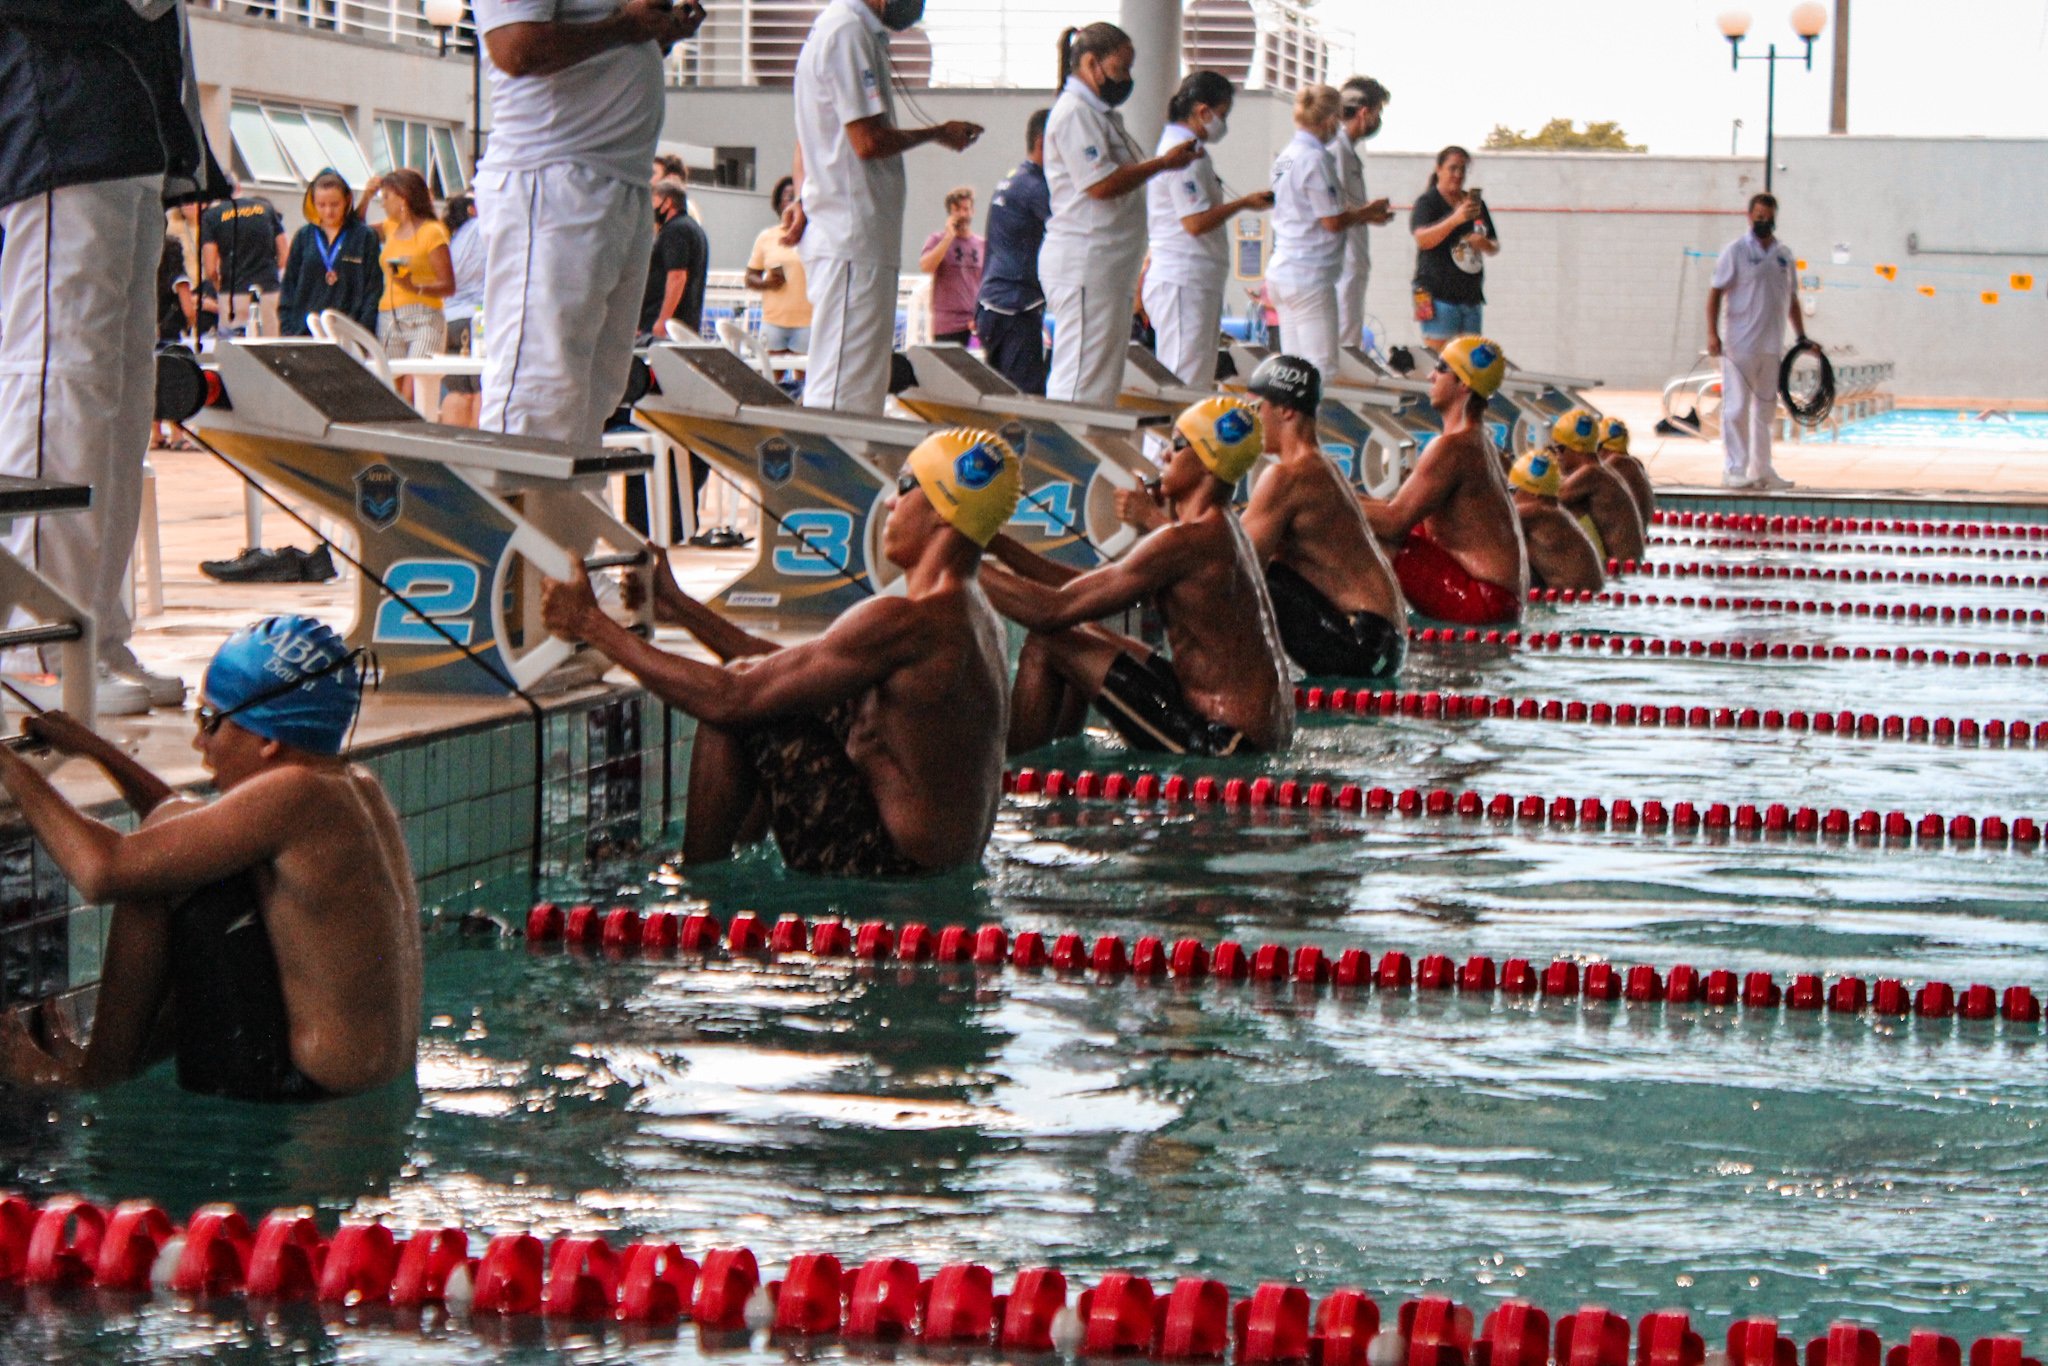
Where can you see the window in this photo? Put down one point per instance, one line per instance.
(285, 144)
(428, 148)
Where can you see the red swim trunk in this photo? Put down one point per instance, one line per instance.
(1438, 586)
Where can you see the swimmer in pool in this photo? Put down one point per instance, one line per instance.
(1339, 611)
(270, 938)
(1614, 454)
(1458, 547)
(1560, 554)
(1227, 689)
(876, 749)
(1592, 492)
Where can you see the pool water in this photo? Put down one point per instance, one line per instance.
(1723, 1161)
(1943, 427)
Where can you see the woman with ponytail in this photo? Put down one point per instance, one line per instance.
(1095, 241)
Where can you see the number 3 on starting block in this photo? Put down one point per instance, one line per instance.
(443, 590)
(824, 542)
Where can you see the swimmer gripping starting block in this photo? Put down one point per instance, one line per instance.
(458, 523)
(1075, 456)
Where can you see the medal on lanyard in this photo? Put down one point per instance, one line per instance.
(329, 254)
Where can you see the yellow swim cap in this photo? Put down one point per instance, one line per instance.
(1478, 362)
(1536, 473)
(971, 478)
(1578, 430)
(1613, 435)
(1225, 432)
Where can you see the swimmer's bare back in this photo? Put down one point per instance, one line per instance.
(1560, 556)
(1460, 496)
(1596, 491)
(1309, 514)
(1636, 475)
(1220, 631)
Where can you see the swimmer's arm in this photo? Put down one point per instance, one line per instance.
(1576, 491)
(141, 789)
(1153, 563)
(1267, 516)
(674, 607)
(1029, 564)
(1391, 520)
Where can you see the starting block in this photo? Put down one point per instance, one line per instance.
(57, 620)
(820, 477)
(458, 523)
(1369, 430)
(1075, 456)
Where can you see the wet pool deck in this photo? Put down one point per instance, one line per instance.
(200, 514)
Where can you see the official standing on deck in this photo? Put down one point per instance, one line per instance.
(848, 218)
(1185, 214)
(1009, 315)
(576, 108)
(1362, 99)
(1310, 222)
(1755, 277)
(1095, 243)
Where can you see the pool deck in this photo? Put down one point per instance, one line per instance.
(200, 516)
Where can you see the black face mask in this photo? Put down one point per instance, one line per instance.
(898, 15)
(1114, 92)
(1765, 227)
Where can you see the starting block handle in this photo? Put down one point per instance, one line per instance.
(635, 560)
(51, 634)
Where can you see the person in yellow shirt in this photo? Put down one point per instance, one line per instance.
(418, 271)
(778, 272)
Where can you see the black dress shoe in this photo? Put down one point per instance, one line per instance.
(259, 565)
(316, 565)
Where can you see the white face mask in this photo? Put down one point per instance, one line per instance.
(1218, 127)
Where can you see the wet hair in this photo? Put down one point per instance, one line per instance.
(1454, 150)
(1313, 104)
(671, 165)
(1034, 128)
(1098, 40)
(1363, 92)
(330, 179)
(459, 209)
(1210, 89)
(410, 186)
(1769, 199)
(672, 193)
(775, 195)
(959, 194)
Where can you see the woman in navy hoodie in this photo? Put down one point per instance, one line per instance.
(333, 261)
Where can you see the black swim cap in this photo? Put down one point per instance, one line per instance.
(1290, 382)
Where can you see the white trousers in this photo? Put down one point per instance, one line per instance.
(1749, 402)
(1351, 296)
(1186, 320)
(78, 382)
(565, 267)
(1308, 323)
(853, 333)
(1091, 331)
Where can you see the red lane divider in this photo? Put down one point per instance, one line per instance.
(1650, 817)
(1947, 616)
(1845, 548)
(887, 1299)
(1364, 702)
(1754, 522)
(1610, 643)
(1665, 570)
(1108, 958)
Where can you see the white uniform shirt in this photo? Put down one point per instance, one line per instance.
(603, 113)
(853, 209)
(1088, 238)
(1306, 254)
(1351, 180)
(1191, 262)
(1756, 282)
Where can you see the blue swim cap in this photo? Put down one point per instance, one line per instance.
(254, 680)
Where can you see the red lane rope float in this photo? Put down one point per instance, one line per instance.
(624, 932)
(71, 1243)
(1666, 570)
(1877, 611)
(1844, 548)
(1755, 522)
(1868, 725)
(1888, 829)
(1611, 643)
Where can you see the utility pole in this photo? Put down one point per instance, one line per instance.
(1838, 118)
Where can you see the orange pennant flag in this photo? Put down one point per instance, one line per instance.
(1928, 290)
(1888, 272)
(2022, 283)
(1989, 296)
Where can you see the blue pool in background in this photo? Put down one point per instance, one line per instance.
(1945, 427)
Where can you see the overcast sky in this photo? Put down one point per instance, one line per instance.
(1660, 67)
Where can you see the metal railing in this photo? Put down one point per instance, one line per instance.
(399, 22)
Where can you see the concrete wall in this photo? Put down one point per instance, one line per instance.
(1980, 211)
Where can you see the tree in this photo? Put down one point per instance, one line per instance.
(1559, 135)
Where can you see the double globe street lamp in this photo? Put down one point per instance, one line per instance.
(443, 16)
(1809, 18)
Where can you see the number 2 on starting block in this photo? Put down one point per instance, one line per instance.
(443, 591)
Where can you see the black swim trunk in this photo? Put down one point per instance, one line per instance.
(1144, 701)
(819, 807)
(233, 1036)
(1326, 642)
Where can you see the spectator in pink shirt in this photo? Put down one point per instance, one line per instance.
(953, 257)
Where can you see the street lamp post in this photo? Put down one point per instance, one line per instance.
(1809, 17)
(444, 15)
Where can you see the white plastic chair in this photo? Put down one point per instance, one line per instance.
(351, 336)
(743, 344)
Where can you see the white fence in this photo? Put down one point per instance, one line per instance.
(401, 22)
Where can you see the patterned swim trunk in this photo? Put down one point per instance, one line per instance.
(823, 816)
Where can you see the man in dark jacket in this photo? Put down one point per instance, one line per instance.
(99, 130)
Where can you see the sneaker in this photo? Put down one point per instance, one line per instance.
(1736, 481)
(1773, 481)
(112, 696)
(316, 565)
(258, 565)
(165, 690)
